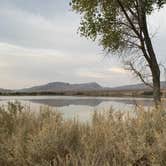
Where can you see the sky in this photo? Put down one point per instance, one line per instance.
(39, 43)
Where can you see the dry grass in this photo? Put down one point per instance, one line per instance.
(45, 139)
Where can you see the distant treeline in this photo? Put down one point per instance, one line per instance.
(127, 93)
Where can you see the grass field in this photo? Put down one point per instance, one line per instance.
(111, 139)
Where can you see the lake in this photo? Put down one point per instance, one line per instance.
(81, 108)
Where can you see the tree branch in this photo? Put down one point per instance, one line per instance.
(128, 18)
(138, 74)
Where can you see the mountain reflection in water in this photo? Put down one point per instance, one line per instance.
(93, 102)
(67, 102)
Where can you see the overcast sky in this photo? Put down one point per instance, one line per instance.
(39, 44)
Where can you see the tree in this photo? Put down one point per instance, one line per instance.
(120, 26)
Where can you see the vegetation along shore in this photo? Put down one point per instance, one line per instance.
(28, 138)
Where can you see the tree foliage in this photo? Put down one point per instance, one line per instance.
(121, 25)
(106, 21)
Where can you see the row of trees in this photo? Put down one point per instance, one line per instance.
(121, 27)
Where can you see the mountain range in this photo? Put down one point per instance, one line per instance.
(64, 87)
(137, 87)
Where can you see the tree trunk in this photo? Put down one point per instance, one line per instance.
(156, 85)
(155, 70)
(152, 60)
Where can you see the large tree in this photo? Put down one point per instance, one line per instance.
(120, 26)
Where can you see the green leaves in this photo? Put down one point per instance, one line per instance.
(160, 3)
(99, 21)
(151, 4)
(105, 20)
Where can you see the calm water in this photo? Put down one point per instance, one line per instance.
(81, 108)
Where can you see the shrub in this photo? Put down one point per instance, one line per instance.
(111, 139)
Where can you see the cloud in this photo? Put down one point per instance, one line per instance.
(14, 50)
(91, 74)
(29, 28)
(39, 43)
(101, 73)
(157, 26)
(118, 70)
(32, 65)
(106, 76)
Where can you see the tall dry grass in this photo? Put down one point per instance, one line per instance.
(112, 139)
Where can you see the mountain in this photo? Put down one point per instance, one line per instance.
(84, 87)
(5, 90)
(136, 87)
(63, 87)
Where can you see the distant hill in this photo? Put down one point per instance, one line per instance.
(58, 87)
(136, 87)
(5, 90)
(63, 87)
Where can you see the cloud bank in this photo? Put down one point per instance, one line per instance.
(39, 44)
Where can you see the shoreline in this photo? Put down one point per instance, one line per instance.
(78, 95)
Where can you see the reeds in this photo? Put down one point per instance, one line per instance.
(111, 139)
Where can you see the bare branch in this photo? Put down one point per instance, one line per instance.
(128, 18)
(138, 74)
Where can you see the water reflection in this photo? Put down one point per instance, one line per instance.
(67, 102)
(146, 102)
(63, 101)
(143, 102)
(81, 108)
(92, 102)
